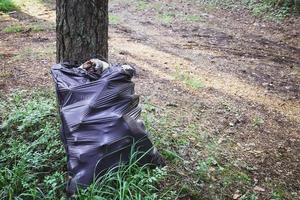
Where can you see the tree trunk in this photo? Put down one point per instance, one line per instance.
(82, 30)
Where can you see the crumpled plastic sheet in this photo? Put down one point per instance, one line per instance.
(100, 122)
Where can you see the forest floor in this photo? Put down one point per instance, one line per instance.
(220, 89)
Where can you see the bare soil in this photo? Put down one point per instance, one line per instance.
(248, 69)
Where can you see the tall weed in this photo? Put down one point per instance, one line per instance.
(33, 163)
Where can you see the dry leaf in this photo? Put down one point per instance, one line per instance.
(236, 196)
(259, 189)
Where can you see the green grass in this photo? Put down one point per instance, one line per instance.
(32, 157)
(196, 158)
(114, 19)
(201, 167)
(127, 182)
(210, 170)
(142, 5)
(192, 18)
(257, 121)
(14, 28)
(4, 73)
(33, 162)
(171, 156)
(188, 79)
(7, 6)
(268, 9)
(39, 52)
(165, 18)
(280, 191)
(37, 27)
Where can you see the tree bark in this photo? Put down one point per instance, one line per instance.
(81, 30)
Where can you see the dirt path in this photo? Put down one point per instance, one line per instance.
(232, 78)
(220, 81)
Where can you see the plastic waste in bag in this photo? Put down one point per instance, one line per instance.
(100, 121)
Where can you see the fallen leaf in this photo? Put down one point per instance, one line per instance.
(259, 189)
(236, 196)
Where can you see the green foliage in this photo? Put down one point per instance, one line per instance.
(280, 191)
(270, 9)
(7, 5)
(203, 168)
(273, 9)
(251, 197)
(276, 195)
(32, 158)
(219, 3)
(171, 156)
(31, 152)
(128, 182)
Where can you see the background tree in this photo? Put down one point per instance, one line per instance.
(82, 30)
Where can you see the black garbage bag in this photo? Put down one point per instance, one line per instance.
(100, 122)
